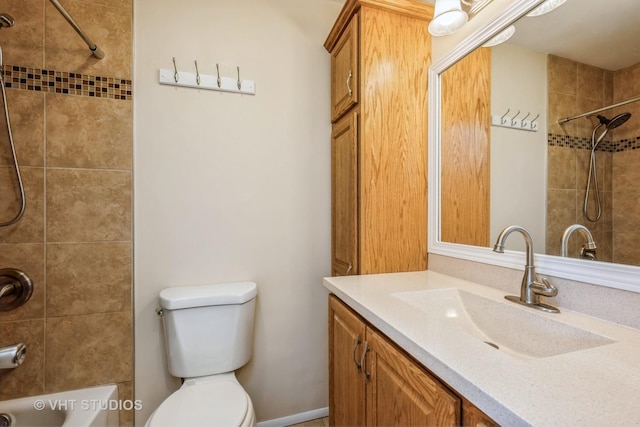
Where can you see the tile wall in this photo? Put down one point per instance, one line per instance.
(71, 116)
(575, 88)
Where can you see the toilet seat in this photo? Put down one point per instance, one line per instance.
(221, 403)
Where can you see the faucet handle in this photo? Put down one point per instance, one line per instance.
(544, 288)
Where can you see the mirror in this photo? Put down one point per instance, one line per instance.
(534, 78)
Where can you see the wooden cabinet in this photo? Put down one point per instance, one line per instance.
(372, 382)
(344, 71)
(380, 55)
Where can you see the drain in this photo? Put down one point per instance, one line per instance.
(492, 345)
(5, 420)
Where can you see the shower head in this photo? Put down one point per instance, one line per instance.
(6, 20)
(614, 122)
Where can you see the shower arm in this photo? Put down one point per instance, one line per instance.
(590, 113)
(95, 50)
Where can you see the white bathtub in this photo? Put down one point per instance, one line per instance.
(87, 407)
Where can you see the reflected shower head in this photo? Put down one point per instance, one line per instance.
(614, 122)
(6, 20)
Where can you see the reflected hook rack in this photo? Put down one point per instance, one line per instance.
(512, 122)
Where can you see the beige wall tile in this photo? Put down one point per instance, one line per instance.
(30, 259)
(86, 278)
(30, 228)
(125, 392)
(28, 378)
(560, 106)
(85, 132)
(625, 213)
(626, 248)
(26, 112)
(88, 205)
(561, 168)
(563, 75)
(626, 173)
(88, 350)
(23, 43)
(107, 27)
(561, 211)
(120, 4)
(590, 82)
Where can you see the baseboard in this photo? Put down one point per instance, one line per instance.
(296, 418)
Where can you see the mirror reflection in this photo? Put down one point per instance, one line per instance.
(533, 134)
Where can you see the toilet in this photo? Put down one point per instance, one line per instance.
(208, 334)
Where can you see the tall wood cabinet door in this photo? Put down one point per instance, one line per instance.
(399, 393)
(344, 71)
(344, 196)
(346, 381)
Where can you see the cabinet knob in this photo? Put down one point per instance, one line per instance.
(348, 83)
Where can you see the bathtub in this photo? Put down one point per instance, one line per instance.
(87, 407)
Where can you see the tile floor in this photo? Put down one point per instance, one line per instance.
(320, 422)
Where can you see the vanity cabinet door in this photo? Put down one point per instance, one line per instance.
(346, 380)
(400, 393)
(474, 417)
(344, 71)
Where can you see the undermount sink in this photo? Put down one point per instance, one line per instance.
(515, 330)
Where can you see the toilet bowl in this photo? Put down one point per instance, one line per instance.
(216, 401)
(208, 334)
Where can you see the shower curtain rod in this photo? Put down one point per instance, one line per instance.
(590, 113)
(95, 50)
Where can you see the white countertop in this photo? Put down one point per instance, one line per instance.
(598, 386)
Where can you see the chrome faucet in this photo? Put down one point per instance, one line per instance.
(531, 289)
(588, 250)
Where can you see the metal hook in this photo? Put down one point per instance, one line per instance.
(522, 124)
(502, 120)
(513, 119)
(175, 71)
(239, 83)
(197, 73)
(218, 70)
(535, 118)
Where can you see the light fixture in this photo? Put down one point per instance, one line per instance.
(501, 37)
(448, 17)
(545, 7)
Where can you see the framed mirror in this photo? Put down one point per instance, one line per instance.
(493, 176)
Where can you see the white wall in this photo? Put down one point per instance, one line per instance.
(235, 187)
(518, 158)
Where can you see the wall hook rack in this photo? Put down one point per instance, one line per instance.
(503, 120)
(204, 81)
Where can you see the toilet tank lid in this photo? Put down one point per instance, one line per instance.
(180, 297)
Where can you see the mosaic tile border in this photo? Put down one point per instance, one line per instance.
(555, 140)
(52, 81)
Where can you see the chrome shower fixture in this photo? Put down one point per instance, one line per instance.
(6, 20)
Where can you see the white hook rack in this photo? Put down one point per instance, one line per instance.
(513, 122)
(205, 81)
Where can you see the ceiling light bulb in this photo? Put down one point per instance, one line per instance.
(448, 17)
(546, 7)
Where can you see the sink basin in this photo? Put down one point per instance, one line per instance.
(507, 327)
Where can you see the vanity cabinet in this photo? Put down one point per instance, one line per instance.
(380, 55)
(372, 382)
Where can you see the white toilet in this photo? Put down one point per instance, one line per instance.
(208, 335)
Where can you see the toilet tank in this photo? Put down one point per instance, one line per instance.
(208, 329)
